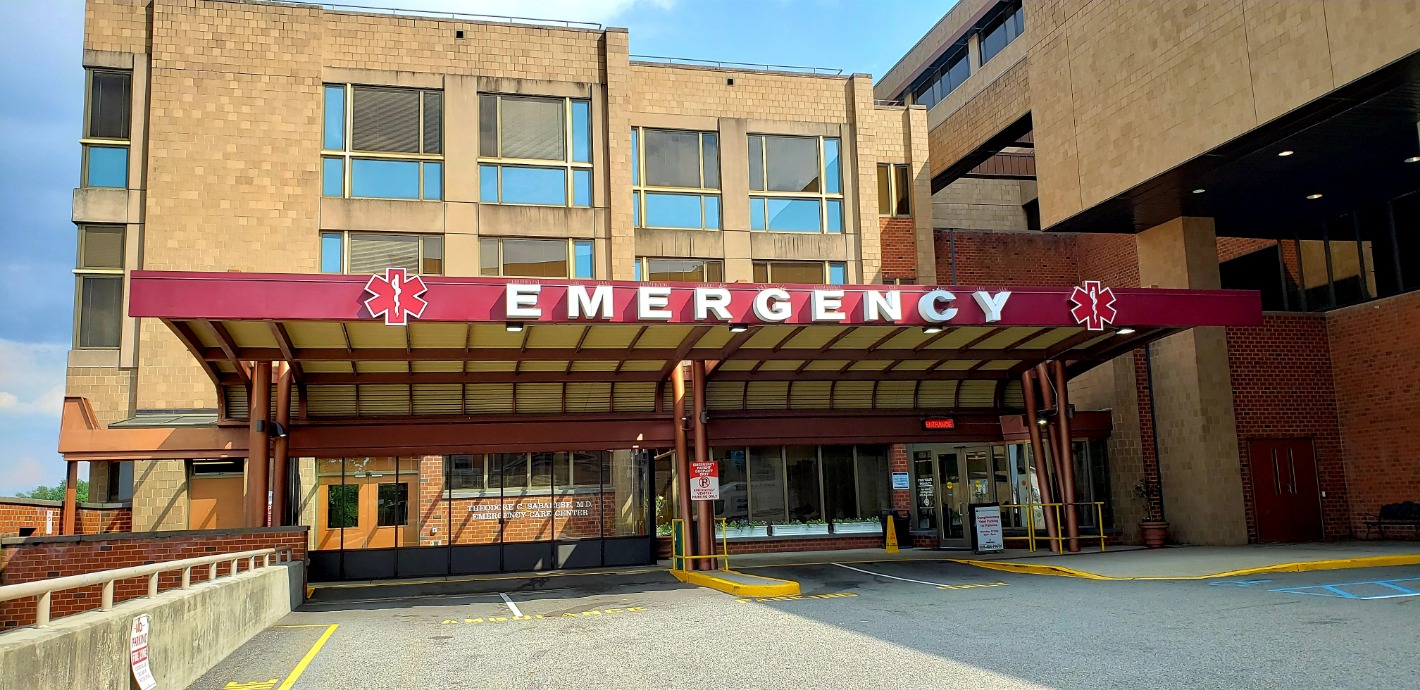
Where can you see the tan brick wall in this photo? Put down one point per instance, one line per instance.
(159, 495)
(1002, 102)
(108, 389)
(680, 90)
(119, 26)
(977, 204)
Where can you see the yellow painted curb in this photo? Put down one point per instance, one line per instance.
(768, 587)
(1298, 567)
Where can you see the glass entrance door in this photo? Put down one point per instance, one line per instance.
(967, 475)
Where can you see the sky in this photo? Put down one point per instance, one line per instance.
(42, 104)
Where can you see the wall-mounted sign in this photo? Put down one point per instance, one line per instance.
(705, 481)
(939, 423)
(138, 652)
(900, 481)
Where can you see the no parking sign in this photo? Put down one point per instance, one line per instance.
(704, 481)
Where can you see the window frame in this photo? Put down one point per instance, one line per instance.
(82, 272)
(348, 155)
(827, 268)
(823, 197)
(892, 172)
(780, 458)
(483, 464)
(572, 243)
(640, 188)
(345, 235)
(569, 166)
(88, 142)
(643, 268)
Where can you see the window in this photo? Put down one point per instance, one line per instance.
(999, 32)
(382, 143)
(373, 253)
(788, 484)
(342, 506)
(98, 288)
(945, 77)
(795, 184)
(680, 270)
(676, 179)
(393, 504)
(535, 151)
(805, 272)
(106, 129)
(894, 190)
(543, 470)
(535, 258)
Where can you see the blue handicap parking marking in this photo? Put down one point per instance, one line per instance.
(1237, 583)
(1370, 589)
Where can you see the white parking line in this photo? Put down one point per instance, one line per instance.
(511, 606)
(891, 577)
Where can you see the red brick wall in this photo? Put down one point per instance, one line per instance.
(1375, 355)
(899, 247)
(1110, 259)
(1034, 258)
(91, 519)
(34, 559)
(1282, 388)
(897, 462)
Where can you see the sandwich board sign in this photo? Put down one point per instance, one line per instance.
(138, 652)
(986, 528)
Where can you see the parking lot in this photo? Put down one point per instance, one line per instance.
(900, 624)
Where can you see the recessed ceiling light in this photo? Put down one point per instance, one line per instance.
(1200, 190)
(1125, 330)
(514, 326)
(1413, 159)
(1284, 154)
(930, 330)
(1313, 196)
(738, 328)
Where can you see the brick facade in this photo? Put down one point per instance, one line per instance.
(28, 560)
(899, 246)
(46, 517)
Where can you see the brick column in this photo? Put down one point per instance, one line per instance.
(897, 462)
(1193, 399)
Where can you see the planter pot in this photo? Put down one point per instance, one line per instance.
(857, 528)
(1153, 532)
(797, 529)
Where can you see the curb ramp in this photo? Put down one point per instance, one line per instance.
(737, 583)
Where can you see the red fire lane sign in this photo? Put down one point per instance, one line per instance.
(704, 481)
(138, 652)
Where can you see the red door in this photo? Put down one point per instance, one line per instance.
(1285, 492)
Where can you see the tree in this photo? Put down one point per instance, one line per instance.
(56, 492)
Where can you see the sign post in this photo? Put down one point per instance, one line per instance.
(138, 653)
(986, 528)
(704, 481)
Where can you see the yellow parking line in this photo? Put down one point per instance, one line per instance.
(306, 660)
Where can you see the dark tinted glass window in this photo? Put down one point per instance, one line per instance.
(803, 481)
(385, 120)
(100, 310)
(342, 506)
(672, 158)
(109, 105)
(393, 504)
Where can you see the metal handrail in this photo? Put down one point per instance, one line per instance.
(1059, 540)
(682, 527)
(45, 588)
(725, 64)
(435, 14)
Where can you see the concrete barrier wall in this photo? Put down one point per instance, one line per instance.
(191, 631)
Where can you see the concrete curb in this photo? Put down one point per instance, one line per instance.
(1298, 567)
(738, 584)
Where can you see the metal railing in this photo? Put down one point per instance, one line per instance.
(678, 557)
(1031, 537)
(435, 14)
(45, 589)
(724, 64)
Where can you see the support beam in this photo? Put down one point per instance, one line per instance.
(258, 457)
(1067, 453)
(71, 498)
(281, 477)
(704, 511)
(1037, 449)
(682, 459)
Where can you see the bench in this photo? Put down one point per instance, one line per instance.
(1405, 514)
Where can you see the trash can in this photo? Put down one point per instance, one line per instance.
(901, 520)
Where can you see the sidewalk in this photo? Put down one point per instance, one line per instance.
(1132, 562)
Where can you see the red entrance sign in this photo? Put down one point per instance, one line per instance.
(704, 481)
(939, 423)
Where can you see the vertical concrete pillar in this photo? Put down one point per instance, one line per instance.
(704, 512)
(921, 200)
(973, 52)
(859, 167)
(682, 459)
(622, 254)
(259, 414)
(280, 476)
(71, 499)
(1193, 399)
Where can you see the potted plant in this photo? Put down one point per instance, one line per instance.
(742, 529)
(791, 529)
(857, 526)
(1152, 529)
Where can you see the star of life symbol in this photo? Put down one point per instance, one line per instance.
(1094, 305)
(396, 296)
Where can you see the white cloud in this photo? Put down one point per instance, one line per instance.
(32, 380)
(600, 11)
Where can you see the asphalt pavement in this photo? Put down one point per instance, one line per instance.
(899, 624)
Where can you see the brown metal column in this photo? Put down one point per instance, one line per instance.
(704, 511)
(258, 447)
(71, 498)
(682, 459)
(280, 475)
(1044, 375)
(1067, 455)
(1037, 449)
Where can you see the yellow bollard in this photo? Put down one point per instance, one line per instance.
(891, 536)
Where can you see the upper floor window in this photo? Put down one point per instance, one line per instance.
(676, 179)
(518, 257)
(366, 252)
(680, 270)
(98, 288)
(106, 128)
(894, 190)
(944, 78)
(803, 272)
(795, 184)
(383, 143)
(999, 33)
(534, 150)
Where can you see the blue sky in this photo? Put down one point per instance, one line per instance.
(42, 101)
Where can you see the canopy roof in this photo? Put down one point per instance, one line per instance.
(486, 346)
